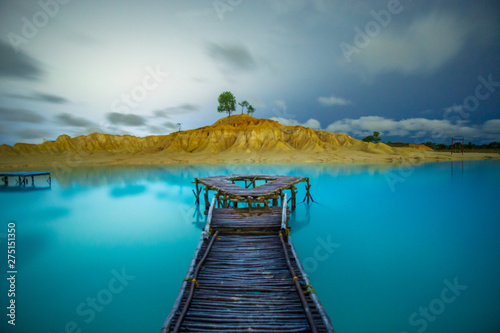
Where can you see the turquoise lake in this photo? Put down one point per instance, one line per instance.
(387, 248)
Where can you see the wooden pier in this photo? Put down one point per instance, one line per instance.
(245, 275)
(25, 181)
(228, 191)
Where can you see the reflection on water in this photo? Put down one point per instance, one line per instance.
(378, 243)
(179, 174)
(128, 190)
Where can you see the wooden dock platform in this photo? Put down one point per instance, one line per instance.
(228, 191)
(245, 275)
(23, 181)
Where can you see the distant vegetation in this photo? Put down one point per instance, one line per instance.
(375, 138)
(227, 103)
(494, 146)
(490, 147)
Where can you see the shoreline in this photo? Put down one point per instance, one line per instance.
(69, 160)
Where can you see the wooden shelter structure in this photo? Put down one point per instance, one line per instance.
(455, 140)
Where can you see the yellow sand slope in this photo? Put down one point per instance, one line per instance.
(235, 139)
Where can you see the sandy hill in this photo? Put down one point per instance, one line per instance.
(239, 138)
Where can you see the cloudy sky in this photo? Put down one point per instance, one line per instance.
(414, 70)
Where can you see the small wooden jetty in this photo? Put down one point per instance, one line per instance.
(245, 275)
(227, 189)
(25, 181)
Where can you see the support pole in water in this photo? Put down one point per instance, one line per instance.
(308, 192)
(197, 193)
(207, 204)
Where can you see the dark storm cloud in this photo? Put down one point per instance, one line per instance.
(184, 108)
(125, 119)
(235, 57)
(166, 128)
(171, 126)
(17, 65)
(20, 115)
(70, 120)
(49, 98)
(32, 133)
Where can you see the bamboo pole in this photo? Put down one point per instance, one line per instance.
(168, 321)
(206, 232)
(298, 287)
(314, 297)
(284, 214)
(194, 284)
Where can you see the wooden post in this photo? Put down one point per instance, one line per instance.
(294, 199)
(197, 193)
(307, 193)
(207, 204)
(217, 195)
(266, 204)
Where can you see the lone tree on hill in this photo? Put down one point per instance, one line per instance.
(373, 138)
(250, 109)
(227, 102)
(243, 105)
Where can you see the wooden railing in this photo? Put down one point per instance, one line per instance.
(206, 232)
(284, 215)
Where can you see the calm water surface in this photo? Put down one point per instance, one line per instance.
(388, 249)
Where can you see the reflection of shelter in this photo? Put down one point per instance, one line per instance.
(25, 181)
(227, 190)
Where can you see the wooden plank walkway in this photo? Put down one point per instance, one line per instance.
(275, 183)
(246, 277)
